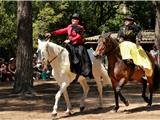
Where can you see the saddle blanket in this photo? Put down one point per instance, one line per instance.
(130, 50)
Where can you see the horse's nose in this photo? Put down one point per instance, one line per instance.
(43, 60)
(95, 54)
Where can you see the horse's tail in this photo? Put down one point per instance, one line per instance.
(156, 78)
(156, 73)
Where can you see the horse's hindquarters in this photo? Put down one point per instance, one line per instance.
(138, 73)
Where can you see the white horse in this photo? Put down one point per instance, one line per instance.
(58, 57)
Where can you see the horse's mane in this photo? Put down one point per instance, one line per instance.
(114, 43)
(108, 36)
(55, 45)
(57, 48)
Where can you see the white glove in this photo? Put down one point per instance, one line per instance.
(48, 35)
(67, 41)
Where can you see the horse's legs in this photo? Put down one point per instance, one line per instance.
(144, 83)
(66, 97)
(116, 100)
(118, 93)
(150, 82)
(63, 87)
(106, 80)
(100, 90)
(122, 98)
(85, 88)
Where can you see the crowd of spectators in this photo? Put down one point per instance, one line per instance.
(40, 71)
(8, 70)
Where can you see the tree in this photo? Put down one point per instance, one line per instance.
(24, 70)
(157, 23)
(48, 17)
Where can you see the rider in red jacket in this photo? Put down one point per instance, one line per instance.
(79, 58)
(74, 31)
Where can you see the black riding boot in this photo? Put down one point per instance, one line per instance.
(129, 62)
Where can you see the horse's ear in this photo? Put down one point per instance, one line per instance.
(103, 32)
(109, 34)
(39, 41)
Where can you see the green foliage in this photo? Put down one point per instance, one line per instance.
(114, 18)
(143, 12)
(51, 15)
(47, 18)
(7, 27)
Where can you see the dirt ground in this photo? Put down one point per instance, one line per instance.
(39, 107)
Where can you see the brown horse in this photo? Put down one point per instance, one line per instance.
(119, 72)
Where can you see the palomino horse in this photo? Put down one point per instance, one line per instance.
(119, 72)
(58, 57)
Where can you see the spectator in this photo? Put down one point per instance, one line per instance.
(43, 74)
(5, 74)
(154, 53)
(12, 67)
(36, 69)
(1, 62)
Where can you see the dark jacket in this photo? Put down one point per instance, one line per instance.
(130, 33)
(79, 60)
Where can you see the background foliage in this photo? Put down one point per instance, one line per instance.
(50, 15)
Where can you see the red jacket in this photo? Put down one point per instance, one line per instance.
(75, 33)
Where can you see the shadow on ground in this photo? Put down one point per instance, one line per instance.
(46, 91)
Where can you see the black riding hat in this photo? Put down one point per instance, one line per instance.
(129, 18)
(76, 16)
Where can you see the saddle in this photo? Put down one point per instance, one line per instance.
(80, 62)
(129, 50)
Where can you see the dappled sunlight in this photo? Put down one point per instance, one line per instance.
(46, 90)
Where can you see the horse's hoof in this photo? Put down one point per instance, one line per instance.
(149, 105)
(127, 103)
(68, 113)
(54, 114)
(82, 108)
(115, 110)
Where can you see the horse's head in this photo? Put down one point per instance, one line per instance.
(41, 51)
(48, 51)
(105, 44)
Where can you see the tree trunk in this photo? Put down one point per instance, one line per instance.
(24, 70)
(157, 23)
(101, 12)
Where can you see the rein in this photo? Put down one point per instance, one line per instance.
(55, 56)
(112, 51)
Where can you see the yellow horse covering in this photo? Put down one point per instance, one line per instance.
(130, 50)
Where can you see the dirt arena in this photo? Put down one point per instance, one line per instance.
(39, 107)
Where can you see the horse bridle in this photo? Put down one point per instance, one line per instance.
(111, 51)
(55, 56)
